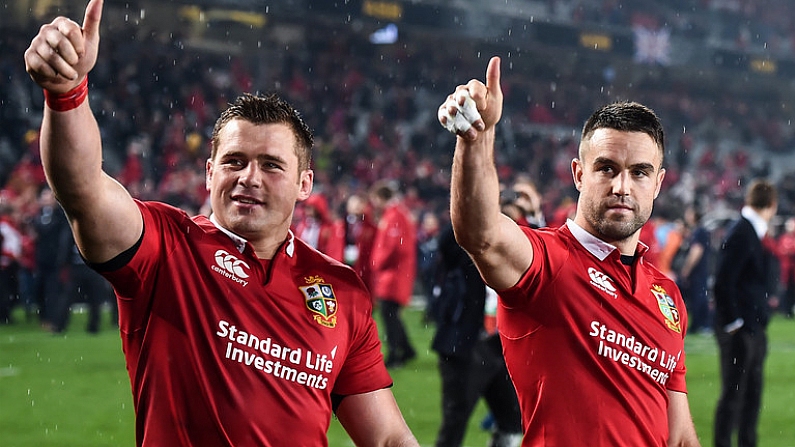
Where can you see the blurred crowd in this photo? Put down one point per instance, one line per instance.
(748, 25)
(373, 110)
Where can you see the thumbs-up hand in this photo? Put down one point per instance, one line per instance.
(475, 107)
(63, 52)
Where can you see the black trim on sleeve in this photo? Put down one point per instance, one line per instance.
(336, 399)
(120, 260)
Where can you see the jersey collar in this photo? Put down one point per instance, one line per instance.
(594, 245)
(290, 248)
(240, 243)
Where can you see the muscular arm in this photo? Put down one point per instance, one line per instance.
(104, 218)
(374, 419)
(497, 245)
(681, 432)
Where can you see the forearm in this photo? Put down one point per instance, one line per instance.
(682, 432)
(474, 192)
(374, 419)
(71, 153)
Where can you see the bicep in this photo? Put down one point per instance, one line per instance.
(106, 223)
(506, 257)
(681, 431)
(374, 419)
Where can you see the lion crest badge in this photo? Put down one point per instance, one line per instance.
(667, 308)
(320, 300)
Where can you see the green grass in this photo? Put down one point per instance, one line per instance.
(776, 427)
(65, 390)
(72, 389)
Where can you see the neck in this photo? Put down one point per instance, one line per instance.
(626, 246)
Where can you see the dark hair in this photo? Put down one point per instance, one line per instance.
(383, 190)
(626, 116)
(761, 194)
(269, 109)
(509, 196)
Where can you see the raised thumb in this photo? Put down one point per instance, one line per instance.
(92, 18)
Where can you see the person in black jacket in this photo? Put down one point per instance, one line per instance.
(741, 316)
(87, 286)
(471, 364)
(53, 248)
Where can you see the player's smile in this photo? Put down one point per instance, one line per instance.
(244, 200)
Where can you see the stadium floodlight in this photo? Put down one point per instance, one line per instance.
(386, 35)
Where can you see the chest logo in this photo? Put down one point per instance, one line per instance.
(320, 300)
(231, 267)
(667, 308)
(602, 282)
(231, 264)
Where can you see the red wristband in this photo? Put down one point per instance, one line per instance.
(61, 102)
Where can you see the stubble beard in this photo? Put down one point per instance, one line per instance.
(611, 230)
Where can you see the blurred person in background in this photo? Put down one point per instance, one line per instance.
(742, 289)
(88, 287)
(669, 232)
(528, 199)
(319, 228)
(427, 255)
(394, 263)
(234, 331)
(27, 271)
(571, 297)
(471, 365)
(786, 252)
(359, 236)
(10, 252)
(53, 250)
(508, 199)
(694, 272)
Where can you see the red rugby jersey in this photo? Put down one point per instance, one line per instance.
(592, 345)
(224, 351)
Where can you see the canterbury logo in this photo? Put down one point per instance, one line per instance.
(602, 281)
(231, 267)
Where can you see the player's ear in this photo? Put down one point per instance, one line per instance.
(576, 173)
(208, 173)
(305, 184)
(660, 177)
